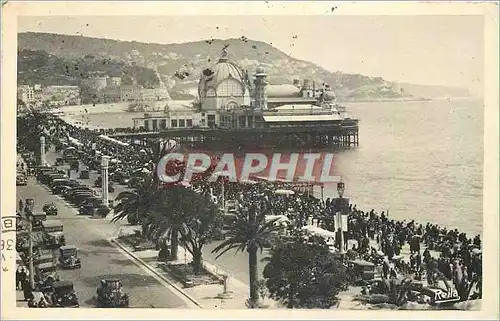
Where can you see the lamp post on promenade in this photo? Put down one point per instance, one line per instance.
(29, 205)
(42, 150)
(342, 204)
(104, 175)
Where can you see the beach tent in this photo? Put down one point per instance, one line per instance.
(280, 219)
(318, 231)
(284, 192)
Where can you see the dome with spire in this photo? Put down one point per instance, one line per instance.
(212, 77)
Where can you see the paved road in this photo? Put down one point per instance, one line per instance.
(99, 258)
(236, 264)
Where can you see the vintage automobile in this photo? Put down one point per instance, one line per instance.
(74, 165)
(110, 294)
(37, 220)
(64, 182)
(94, 209)
(42, 258)
(70, 152)
(50, 209)
(63, 295)
(98, 183)
(61, 189)
(45, 276)
(362, 271)
(54, 235)
(120, 177)
(21, 180)
(68, 257)
(84, 174)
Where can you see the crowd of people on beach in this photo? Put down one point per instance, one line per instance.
(435, 253)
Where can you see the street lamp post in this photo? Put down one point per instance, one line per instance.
(42, 150)
(29, 205)
(223, 196)
(104, 175)
(342, 204)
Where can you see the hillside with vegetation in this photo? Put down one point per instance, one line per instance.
(66, 59)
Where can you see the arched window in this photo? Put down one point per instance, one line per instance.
(231, 105)
(230, 87)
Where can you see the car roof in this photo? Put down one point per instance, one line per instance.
(61, 284)
(68, 247)
(46, 265)
(52, 223)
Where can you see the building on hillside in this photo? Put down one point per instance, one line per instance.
(91, 89)
(61, 95)
(113, 82)
(26, 94)
(132, 92)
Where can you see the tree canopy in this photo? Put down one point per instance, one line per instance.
(303, 273)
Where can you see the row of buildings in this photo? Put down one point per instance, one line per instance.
(49, 96)
(91, 90)
(111, 89)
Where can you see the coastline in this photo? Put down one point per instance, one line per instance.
(75, 110)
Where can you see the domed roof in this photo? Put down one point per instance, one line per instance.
(224, 69)
(282, 91)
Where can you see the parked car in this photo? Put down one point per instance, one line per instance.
(84, 174)
(98, 183)
(61, 189)
(50, 209)
(68, 257)
(63, 295)
(64, 181)
(21, 180)
(90, 209)
(110, 295)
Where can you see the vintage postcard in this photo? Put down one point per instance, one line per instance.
(195, 160)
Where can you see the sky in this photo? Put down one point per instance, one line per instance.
(420, 49)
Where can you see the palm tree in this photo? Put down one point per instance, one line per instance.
(136, 205)
(168, 216)
(250, 232)
(188, 214)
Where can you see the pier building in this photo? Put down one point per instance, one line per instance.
(239, 108)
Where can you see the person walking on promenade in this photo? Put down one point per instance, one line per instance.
(22, 278)
(18, 279)
(21, 206)
(27, 290)
(418, 261)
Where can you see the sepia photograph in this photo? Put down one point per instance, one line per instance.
(268, 156)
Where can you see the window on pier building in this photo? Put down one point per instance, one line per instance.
(230, 87)
(173, 123)
(242, 122)
(189, 123)
(182, 123)
(155, 124)
(211, 120)
(146, 124)
(163, 124)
